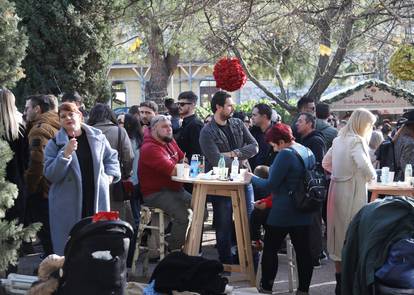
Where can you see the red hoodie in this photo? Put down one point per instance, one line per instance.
(156, 162)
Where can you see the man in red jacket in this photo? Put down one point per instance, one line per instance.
(158, 160)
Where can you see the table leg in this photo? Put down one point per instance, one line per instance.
(374, 196)
(198, 201)
(243, 234)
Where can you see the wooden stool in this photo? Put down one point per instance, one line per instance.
(146, 216)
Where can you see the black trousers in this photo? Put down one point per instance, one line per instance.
(274, 236)
(257, 220)
(315, 236)
(38, 207)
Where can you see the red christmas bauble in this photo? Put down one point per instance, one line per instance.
(229, 74)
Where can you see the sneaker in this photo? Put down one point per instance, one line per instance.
(317, 264)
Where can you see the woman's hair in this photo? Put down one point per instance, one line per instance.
(9, 117)
(279, 131)
(68, 107)
(360, 123)
(133, 128)
(376, 139)
(100, 113)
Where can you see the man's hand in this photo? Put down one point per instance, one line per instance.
(110, 178)
(260, 205)
(230, 154)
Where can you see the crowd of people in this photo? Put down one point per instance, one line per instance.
(67, 159)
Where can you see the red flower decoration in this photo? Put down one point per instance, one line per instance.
(229, 74)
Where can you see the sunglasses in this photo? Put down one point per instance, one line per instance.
(181, 104)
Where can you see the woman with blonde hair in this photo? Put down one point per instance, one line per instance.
(349, 162)
(13, 132)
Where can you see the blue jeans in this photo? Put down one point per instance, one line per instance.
(136, 204)
(223, 221)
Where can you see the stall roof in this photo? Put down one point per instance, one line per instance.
(371, 94)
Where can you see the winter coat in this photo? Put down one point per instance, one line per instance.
(315, 141)
(327, 130)
(15, 174)
(110, 130)
(375, 228)
(43, 129)
(65, 195)
(348, 161)
(213, 142)
(404, 153)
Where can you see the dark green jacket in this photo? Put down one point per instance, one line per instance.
(372, 231)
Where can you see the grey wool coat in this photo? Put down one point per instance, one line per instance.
(65, 194)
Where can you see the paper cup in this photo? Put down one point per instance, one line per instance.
(180, 170)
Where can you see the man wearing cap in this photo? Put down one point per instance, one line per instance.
(43, 124)
(322, 125)
(158, 160)
(404, 144)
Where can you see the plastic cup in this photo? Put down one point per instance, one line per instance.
(215, 170)
(186, 172)
(180, 170)
(391, 176)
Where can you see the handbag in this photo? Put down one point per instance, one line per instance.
(121, 190)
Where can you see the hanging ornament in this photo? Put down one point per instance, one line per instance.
(136, 45)
(402, 62)
(229, 74)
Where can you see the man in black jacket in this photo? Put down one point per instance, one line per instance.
(189, 133)
(315, 141)
(261, 118)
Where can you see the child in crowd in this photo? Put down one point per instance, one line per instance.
(260, 212)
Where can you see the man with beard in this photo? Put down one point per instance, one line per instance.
(158, 160)
(228, 137)
(147, 110)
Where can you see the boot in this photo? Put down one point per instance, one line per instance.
(338, 284)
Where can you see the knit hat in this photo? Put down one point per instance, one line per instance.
(322, 111)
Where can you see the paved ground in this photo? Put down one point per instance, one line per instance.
(323, 280)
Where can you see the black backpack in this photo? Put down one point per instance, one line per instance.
(95, 258)
(311, 192)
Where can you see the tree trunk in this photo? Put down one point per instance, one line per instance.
(163, 66)
(326, 72)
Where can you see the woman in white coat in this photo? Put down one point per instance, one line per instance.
(349, 162)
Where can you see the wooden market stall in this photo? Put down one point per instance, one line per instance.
(374, 95)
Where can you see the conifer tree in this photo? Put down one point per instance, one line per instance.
(13, 43)
(12, 234)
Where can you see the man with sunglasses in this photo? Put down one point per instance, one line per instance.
(189, 133)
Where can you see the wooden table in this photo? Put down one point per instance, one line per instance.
(234, 190)
(391, 190)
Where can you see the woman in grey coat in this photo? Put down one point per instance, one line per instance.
(102, 117)
(80, 164)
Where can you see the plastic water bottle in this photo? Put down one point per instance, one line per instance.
(222, 168)
(194, 166)
(408, 173)
(234, 168)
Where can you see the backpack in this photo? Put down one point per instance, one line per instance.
(95, 257)
(311, 192)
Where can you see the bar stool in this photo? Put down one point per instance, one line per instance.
(292, 268)
(147, 213)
